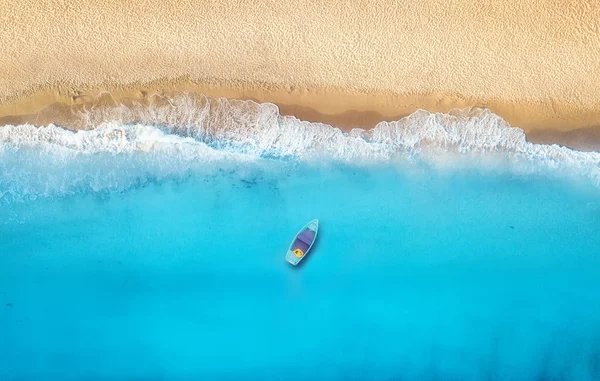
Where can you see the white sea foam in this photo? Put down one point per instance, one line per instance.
(50, 160)
(121, 146)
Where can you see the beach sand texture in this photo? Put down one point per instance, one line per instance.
(351, 63)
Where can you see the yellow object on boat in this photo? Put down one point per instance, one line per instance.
(298, 253)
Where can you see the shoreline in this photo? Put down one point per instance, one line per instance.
(545, 123)
(346, 63)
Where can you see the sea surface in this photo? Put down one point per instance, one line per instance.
(449, 248)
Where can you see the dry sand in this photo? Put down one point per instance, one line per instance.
(348, 63)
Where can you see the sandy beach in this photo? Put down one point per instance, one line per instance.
(350, 64)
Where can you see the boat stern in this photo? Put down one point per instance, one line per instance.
(292, 259)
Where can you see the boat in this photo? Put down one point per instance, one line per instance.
(302, 242)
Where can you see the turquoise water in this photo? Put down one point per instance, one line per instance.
(124, 265)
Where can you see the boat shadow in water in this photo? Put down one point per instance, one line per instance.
(310, 254)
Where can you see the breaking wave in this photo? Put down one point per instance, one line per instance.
(118, 146)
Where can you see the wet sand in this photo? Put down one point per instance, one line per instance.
(348, 64)
(337, 108)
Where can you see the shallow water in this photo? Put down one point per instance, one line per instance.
(157, 253)
(416, 275)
